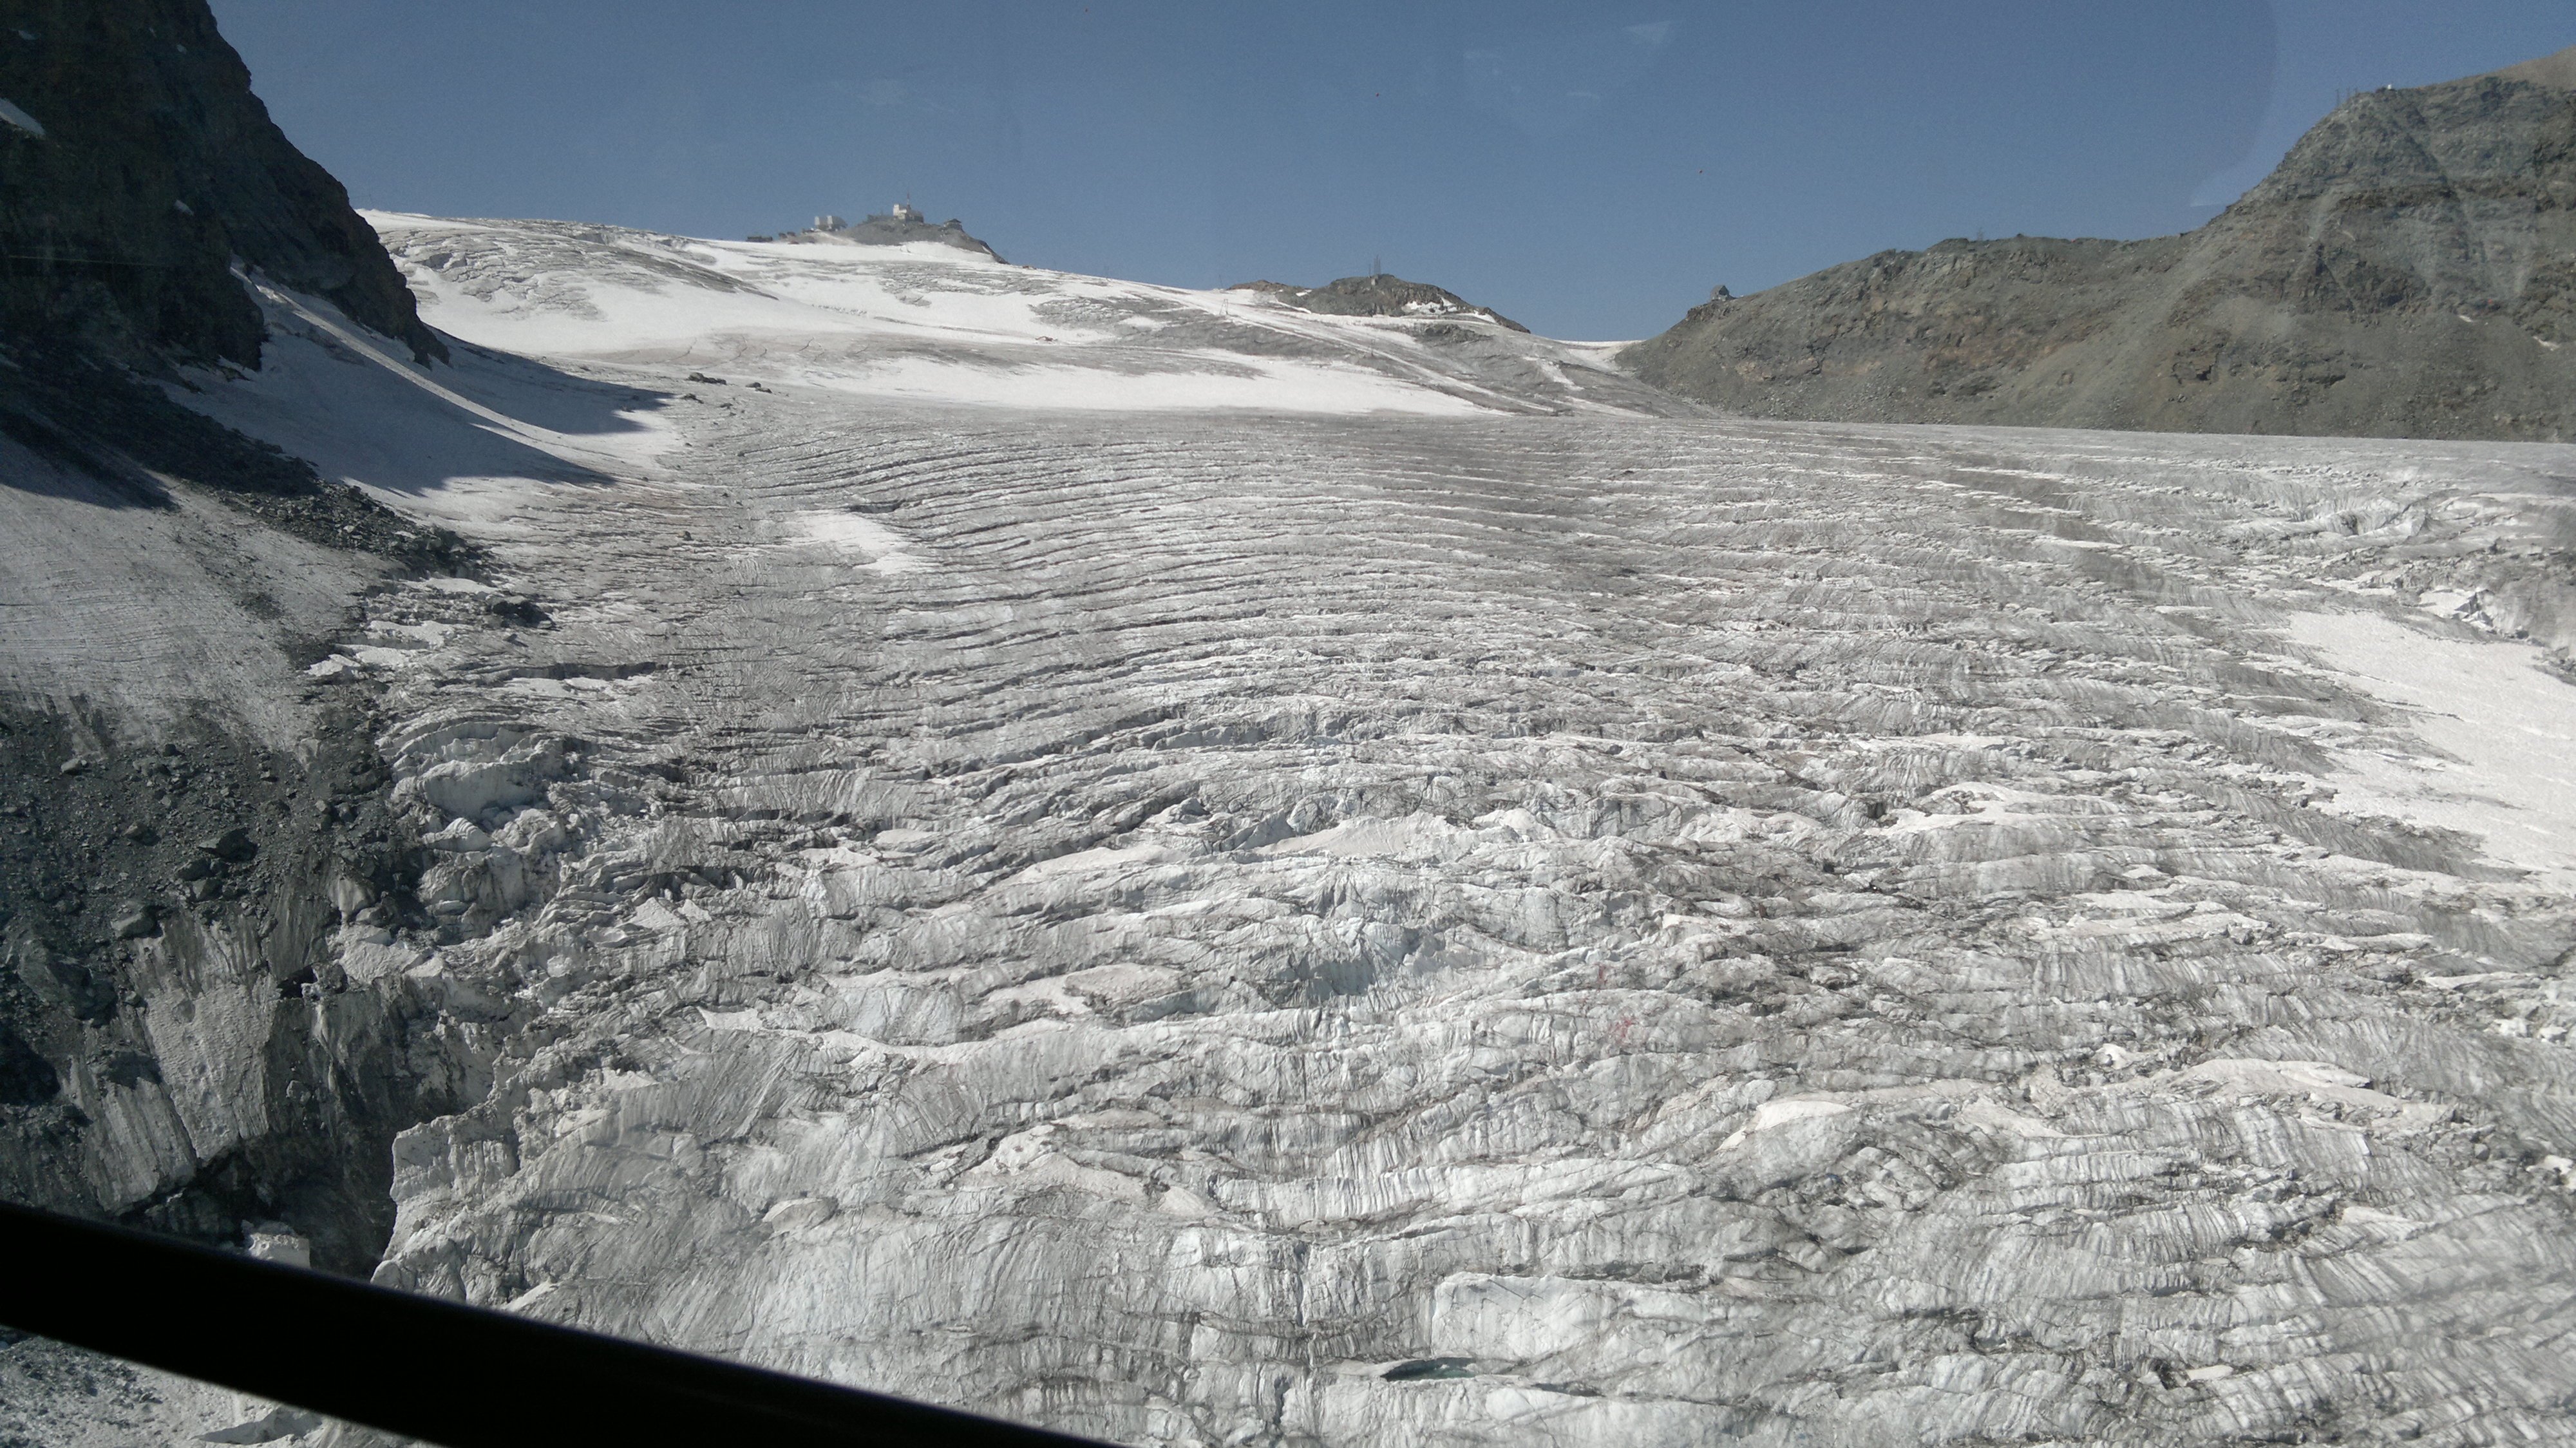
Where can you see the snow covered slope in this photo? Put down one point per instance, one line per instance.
(1242, 877)
(932, 322)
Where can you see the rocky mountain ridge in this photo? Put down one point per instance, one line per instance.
(2406, 271)
(901, 226)
(137, 165)
(1378, 296)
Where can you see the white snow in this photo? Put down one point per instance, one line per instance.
(2506, 731)
(1102, 858)
(1599, 354)
(456, 444)
(918, 322)
(9, 112)
(1542, 903)
(1415, 836)
(887, 551)
(1772, 1114)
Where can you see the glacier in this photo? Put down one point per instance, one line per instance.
(1161, 864)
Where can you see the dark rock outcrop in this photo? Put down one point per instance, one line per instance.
(894, 229)
(1378, 296)
(180, 1047)
(135, 165)
(2408, 270)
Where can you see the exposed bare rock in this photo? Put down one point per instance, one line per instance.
(2557, 70)
(902, 226)
(136, 168)
(2404, 272)
(1379, 296)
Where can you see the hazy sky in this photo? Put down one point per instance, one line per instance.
(1590, 169)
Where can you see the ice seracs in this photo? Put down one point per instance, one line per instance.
(1269, 876)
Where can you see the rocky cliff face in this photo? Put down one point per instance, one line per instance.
(135, 165)
(185, 826)
(2404, 272)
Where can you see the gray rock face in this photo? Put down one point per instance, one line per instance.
(2404, 272)
(2556, 70)
(138, 167)
(898, 228)
(1379, 296)
(1540, 927)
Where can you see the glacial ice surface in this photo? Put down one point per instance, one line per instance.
(1219, 877)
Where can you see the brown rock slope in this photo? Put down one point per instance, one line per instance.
(2409, 270)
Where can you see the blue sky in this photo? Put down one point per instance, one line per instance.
(1589, 169)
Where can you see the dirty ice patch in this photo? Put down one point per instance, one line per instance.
(2507, 727)
(886, 550)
